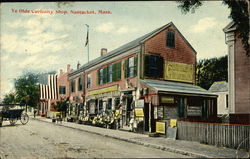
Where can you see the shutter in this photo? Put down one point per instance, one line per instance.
(126, 68)
(146, 66)
(98, 77)
(114, 76)
(135, 64)
(119, 72)
(160, 67)
(104, 75)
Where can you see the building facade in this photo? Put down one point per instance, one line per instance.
(238, 77)
(150, 79)
(48, 93)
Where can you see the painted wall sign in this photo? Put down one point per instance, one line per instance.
(194, 111)
(103, 90)
(178, 72)
(160, 127)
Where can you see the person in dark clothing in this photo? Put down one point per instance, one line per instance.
(35, 113)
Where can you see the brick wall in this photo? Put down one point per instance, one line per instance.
(121, 83)
(242, 79)
(182, 52)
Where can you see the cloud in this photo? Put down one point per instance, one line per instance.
(122, 30)
(106, 27)
(110, 27)
(36, 35)
(205, 24)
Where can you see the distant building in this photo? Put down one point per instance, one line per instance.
(238, 77)
(48, 93)
(221, 89)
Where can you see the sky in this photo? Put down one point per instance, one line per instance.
(45, 36)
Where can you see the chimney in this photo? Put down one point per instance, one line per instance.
(78, 65)
(103, 51)
(61, 71)
(68, 67)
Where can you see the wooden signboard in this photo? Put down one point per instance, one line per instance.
(161, 127)
(194, 111)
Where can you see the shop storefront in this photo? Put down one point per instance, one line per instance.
(179, 101)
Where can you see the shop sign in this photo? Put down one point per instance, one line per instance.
(194, 111)
(160, 127)
(103, 90)
(173, 123)
(140, 103)
(178, 72)
(167, 100)
(139, 112)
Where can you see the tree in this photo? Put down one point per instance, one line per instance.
(10, 98)
(239, 14)
(27, 89)
(62, 106)
(211, 70)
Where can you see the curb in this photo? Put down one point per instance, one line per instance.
(163, 148)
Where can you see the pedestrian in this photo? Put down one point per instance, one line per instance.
(34, 113)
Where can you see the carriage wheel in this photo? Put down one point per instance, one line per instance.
(24, 118)
(13, 121)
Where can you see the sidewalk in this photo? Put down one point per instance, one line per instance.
(194, 149)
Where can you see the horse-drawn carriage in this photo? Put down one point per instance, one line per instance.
(13, 114)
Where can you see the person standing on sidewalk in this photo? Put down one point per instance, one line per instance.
(35, 113)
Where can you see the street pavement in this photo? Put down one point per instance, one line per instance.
(163, 145)
(43, 139)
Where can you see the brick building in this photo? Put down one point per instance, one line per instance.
(152, 77)
(238, 77)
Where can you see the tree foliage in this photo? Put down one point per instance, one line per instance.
(211, 70)
(27, 90)
(9, 98)
(62, 106)
(239, 14)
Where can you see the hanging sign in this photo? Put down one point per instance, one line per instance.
(167, 100)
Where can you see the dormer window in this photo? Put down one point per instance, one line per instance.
(170, 39)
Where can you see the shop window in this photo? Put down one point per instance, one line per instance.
(72, 86)
(110, 73)
(116, 102)
(80, 84)
(170, 39)
(100, 106)
(109, 104)
(131, 67)
(89, 81)
(62, 89)
(153, 66)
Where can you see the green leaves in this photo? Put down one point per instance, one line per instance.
(27, 91)
(239, 14)
(209, 71)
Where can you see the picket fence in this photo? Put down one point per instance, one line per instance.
(221, 135)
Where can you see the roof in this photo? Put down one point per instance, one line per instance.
(176, 87)
(230, 27)
(221, 86)
(126, 47)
